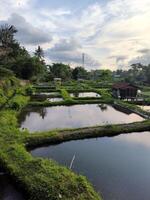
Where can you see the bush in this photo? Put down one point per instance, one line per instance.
(29, 90)
(18, 102)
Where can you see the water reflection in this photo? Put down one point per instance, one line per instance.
(55, 99)
(117, 167)
(103, 107)
(49, 93)
(84, 94)
(7, 190)
(37, 119)
(146, 108)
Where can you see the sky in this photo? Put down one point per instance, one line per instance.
(113, 34)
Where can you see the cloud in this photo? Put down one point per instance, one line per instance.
(66, 45)
(144, 51)
(70, 52)
(113, 32)
(143, 57)
(27, 33)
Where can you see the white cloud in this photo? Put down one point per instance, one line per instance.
(27, 34)
(70, 52)
(111, 33)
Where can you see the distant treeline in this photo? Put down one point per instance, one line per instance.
(16, 60)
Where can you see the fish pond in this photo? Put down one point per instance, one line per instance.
(146, 108)
(118, 167)
(77, 116)
(84, 94)
(55, 99)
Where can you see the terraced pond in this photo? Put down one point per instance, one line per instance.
(146, 108)
(118, 167)
(84, 94)
(54, 99)
(48, 118)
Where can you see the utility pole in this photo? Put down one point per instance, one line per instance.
(83, 59)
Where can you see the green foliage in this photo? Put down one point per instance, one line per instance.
(18, 102)
(79, 73)
(16, 58)
(3, 98)
(8, 118)
(39, 53)
(138, 73)
(29, 90)
(5, 73)
(132, 106)
(39, 178)
(105, 93)
(65, 95)
(27, 67)
(59, 70)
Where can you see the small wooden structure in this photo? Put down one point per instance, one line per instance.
(124, 91)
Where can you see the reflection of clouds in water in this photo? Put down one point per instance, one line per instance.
(84, 94)
(146, 108)
(74, 117)
(138, 138)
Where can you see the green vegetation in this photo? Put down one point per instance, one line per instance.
(131, 106)
(65, 95)
(105, 97)
(38, 178)
(58, 136)
(14, 59)
(137, 74)
(42, 178)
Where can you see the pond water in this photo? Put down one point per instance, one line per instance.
(7, 190)
(146, 108)
(49, 93)
(47, 118)
(118, 167)
(84, 94)
(55, 99)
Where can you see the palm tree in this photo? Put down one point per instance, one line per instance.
(7, 35)
(39, 53)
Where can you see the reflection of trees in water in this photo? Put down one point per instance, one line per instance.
(76, 94)
(3, 185)
(42, 111)
(103, 107)
(69, 112)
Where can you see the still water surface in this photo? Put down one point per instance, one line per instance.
(48, 118)
(7, 190)
(55, 99)
(84, 94)
(118, 167)
(146, 108)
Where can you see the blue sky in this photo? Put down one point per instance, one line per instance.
(112, 33)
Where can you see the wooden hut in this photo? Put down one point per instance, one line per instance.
(124, 91)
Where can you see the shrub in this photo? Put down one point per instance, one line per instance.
(18, 101)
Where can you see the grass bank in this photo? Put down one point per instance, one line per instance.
(133, 108)
(58, 136)
(68, 100)
(38, 178)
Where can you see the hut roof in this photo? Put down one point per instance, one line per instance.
(123, 86)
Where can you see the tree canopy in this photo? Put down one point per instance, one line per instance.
(16, 58)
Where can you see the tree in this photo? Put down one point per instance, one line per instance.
(79, 72)
(28, 67)
(39, 53)
(106, 75)
(59, 70)
(7, 35)
(5, 73)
